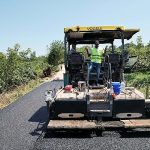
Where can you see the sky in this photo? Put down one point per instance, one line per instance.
(36, 23)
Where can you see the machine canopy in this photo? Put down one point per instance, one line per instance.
(105, 34)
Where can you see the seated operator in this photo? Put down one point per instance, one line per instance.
(73, 49)
(96, 59)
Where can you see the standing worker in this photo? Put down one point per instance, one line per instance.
(96, 59)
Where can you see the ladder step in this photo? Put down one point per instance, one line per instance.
(96, 87)
(100, 79)
(94, 73)
(98, 100)
(100, 111)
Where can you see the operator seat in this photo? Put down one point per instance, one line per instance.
(115, 60)
(75, 67)
(75, 61)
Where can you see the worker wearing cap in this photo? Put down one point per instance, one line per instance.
(96, 59)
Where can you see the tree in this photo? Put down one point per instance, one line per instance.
(139, 42)
(12, 67)
(56, 53)
(2, 71)
(147, 55)
(25, 54)
(33, 55)
(19, 66)
(131, 47)
(17, 46)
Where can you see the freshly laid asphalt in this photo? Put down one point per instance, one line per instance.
(23, 123)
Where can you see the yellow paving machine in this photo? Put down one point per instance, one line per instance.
(82, 105)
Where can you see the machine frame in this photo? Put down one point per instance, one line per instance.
(96, 107)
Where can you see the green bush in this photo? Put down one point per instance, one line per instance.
(19, 66)
(138, 79)
(56, 53)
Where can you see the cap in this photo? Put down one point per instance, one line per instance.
(96, 42)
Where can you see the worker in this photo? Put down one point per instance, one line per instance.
(96, 59)
(73, 49)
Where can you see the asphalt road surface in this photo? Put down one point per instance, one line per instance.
(22, 127)
(22, 122)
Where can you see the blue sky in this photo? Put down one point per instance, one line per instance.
(35, 23)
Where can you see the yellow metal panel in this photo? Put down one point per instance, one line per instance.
(92, 28)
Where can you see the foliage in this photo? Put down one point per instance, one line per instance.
(19, 66)
(142, 52)
(138, 79)
(56, 53)
(2, 71)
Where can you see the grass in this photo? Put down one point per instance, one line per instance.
(10, 96)
(140, 80)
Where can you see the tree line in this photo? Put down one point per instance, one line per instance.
(19, 66)
(140, 75)
(142, 52)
